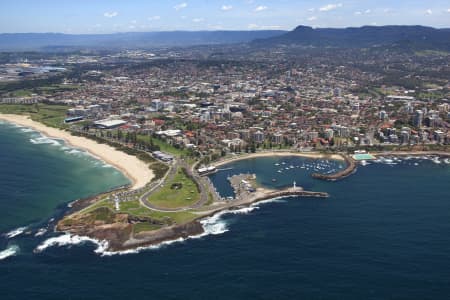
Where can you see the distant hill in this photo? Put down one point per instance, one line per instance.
(131, 40)
(419, 37)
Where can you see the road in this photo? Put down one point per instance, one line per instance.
(201, 182)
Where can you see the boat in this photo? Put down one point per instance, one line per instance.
(436, 160)
(277, 164)
(274, 180)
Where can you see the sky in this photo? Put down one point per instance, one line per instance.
(109, 16)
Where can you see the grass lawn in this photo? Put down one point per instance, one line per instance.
(165, 147)
(21, 93)
(179, 192)
(140, 227)
(50, 115)
(136, 209)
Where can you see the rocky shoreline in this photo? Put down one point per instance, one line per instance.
(117, 229)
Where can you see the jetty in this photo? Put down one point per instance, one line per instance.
(248, 191)
(350, 169)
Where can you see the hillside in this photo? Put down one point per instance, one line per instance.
(419, 37)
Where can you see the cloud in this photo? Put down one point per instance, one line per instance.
(428, 12)
(448, 10)
(226, 7)
(263, 27)
(198, 20)
(313, 18)
(180, 6)
(111, 14)
(329, 7)
(311, 10)
(261, 8)
(367, 11)
(154, 18)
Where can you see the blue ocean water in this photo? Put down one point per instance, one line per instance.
(383, 234)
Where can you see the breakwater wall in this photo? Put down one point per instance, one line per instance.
(350, 169)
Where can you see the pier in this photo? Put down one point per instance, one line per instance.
(247, 190)
(350, 169)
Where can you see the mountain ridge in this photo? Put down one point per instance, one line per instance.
(126, 40)
(360, 37)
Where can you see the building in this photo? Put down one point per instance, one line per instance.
(258, 136)
(418, 118)
(156, 105)
(162, 156)
(277, 138)
(109, 124)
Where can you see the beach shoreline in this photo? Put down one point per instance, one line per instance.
(312, 155)
(134, 169)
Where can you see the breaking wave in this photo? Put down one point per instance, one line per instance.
(214, 225)
(27, 130)
(41, 232)
(15, 232)
(10, 251)
(68, 240)
(45, 140)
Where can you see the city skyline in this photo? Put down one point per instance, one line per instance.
(83, 17)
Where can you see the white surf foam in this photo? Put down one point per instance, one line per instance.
(40, 232)
(15, 232)
(68, 240)
(10, 251)
(45, 140)
(27, 130)
(213, 225)
(75, 151)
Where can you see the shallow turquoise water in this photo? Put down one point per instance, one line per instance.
(39, 174)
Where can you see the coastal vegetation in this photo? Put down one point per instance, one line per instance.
(48, 114)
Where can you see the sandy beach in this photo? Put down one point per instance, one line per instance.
(313, 155)
(136, 170)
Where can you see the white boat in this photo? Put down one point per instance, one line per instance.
(436, 160)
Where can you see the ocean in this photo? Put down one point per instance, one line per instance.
(383, 234)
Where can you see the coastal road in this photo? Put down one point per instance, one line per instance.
(169, 177)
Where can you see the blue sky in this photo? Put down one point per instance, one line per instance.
(107, 16)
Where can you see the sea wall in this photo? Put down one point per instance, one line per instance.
(350, 169)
